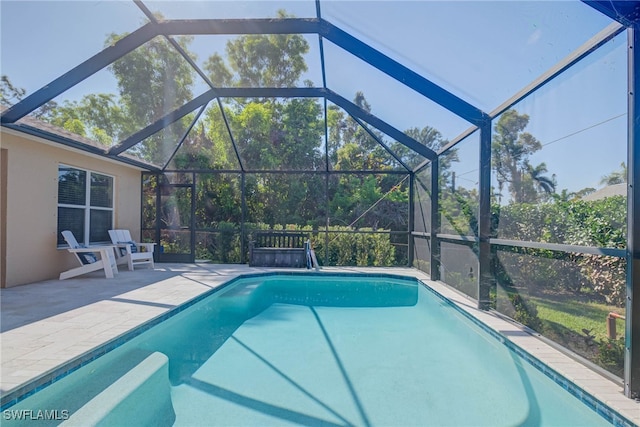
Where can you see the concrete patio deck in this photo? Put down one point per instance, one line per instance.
(46, 324)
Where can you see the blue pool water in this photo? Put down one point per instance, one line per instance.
(313, 350)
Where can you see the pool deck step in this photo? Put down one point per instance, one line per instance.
(119, 404)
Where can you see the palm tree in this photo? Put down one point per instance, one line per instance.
(615, 177)
(544, 183)
(533, 186)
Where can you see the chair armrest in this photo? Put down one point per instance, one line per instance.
(148, 246)
(105, 251)
(91, 249)
(82, 250)
(126, 246)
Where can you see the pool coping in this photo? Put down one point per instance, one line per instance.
(463, 305)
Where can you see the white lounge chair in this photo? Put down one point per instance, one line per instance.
(129, 251)
(88, 259)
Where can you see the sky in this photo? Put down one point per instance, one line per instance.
(482, 51)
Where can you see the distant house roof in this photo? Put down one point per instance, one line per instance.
(609, 191)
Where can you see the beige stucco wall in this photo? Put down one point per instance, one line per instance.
(31, 207)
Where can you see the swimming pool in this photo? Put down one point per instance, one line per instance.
(303, 349)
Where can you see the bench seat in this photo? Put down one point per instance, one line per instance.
(278, 249)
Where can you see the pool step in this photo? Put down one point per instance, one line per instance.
(141, 397)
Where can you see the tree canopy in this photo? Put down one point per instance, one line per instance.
(510, 151)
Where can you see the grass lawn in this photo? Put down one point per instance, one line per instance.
(564, 317)
(563, 320)
(576, 315)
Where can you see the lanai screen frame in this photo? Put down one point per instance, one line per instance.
(625, 13)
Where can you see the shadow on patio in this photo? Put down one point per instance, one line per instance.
(25, 304)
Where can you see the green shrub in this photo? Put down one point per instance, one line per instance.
(523, 311)
(611, 355)
(597, 223)
(345, 247)
(228, 243)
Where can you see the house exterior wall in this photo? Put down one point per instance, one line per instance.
(32, 204)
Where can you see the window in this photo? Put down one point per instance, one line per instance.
(85, 205)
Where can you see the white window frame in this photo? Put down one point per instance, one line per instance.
(87, 205)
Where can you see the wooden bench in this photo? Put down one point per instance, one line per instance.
(278, 249)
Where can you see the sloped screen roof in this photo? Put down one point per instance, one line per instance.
(185, 84)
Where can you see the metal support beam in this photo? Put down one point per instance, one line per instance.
(485, 276)
(230, 133)
(402, 74)
(367, 117)
(270, 92)
(239, 26)
(243, 216)
(345, 104)
(192, 219)
(79, 73)
(184, 137)
(632, 332)
(569, 61)
(146, 33)
(158, 220)
(412, 215)
(624, 11)
(201, 100)
(328, 219)
(165, 121)
(382, 144)
(435, 220)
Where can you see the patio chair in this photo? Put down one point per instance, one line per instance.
(88, 259)
(129, 251)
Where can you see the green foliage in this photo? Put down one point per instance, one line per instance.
(525, 312)
(95, 116)
(464, 282)
(579, 324)
(10, 94)
(616, 177)
(510, 151)
(520, 308)
(218, 72)
(538, 269)
(225, 247)
(608, 275)
(611, 355)
(153, 80)
(597, 223)
(573, 292)
(345, 247)
(218, 200)
(75, 126)
(429, 137)
(173, 246)
(348, 248)
(460, 211)
(264, 60)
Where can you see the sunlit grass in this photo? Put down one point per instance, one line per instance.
(578, 315)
